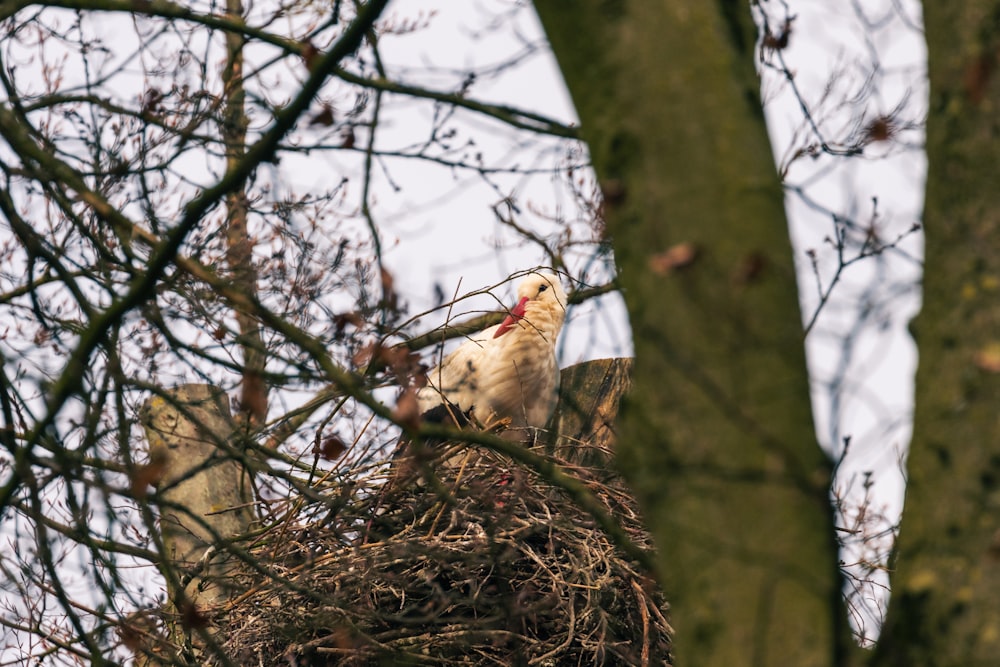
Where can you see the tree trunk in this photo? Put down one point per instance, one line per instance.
(716, 437)
(944, 608)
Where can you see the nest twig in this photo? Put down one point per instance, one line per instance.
(468, 559)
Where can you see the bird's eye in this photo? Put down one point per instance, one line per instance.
(542, 288)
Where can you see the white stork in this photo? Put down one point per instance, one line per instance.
(510, 370)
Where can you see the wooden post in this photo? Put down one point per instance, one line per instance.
(589, 396)
(210, 490)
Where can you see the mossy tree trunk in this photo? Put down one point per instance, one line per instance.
(716, 436)
(945, 607)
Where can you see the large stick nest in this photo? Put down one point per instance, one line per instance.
(466, 559)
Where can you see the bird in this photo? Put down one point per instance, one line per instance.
(510, 370)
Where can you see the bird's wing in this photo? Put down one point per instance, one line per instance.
(521, 378)
(459, 376)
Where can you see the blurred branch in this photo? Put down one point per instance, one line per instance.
(519, 118)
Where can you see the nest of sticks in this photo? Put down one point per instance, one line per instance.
(461, 558)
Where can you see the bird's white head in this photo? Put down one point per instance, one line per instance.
(541, 299)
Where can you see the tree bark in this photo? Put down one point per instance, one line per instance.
(944, 608)
(716, 437)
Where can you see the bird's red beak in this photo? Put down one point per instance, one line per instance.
(516, 313)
